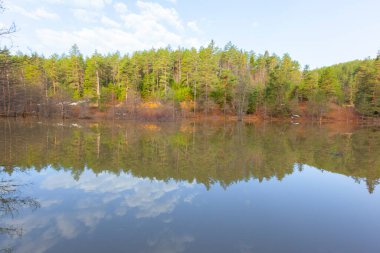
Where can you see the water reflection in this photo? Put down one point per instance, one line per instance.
(192, 152)
(75, 208)
(150, 197)
(194, 188)
(12, 202)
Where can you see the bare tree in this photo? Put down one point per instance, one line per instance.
(6, 30)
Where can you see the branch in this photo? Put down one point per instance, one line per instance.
(9, 30)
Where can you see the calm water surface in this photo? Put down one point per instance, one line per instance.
(185, 187)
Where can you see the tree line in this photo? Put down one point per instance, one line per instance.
(228, 80)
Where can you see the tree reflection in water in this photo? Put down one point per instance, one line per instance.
(12, 201)
(99, 183)
(192, 152)
(186, 152)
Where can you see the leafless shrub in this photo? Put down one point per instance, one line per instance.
(162, 113)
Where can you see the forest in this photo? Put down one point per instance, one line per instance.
(168, 83)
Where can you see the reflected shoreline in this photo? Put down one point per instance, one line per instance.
(193, 152)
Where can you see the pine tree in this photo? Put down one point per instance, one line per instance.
(328, 83)
(208, 67)
(92, 75)
(75, 72)
(368, 82)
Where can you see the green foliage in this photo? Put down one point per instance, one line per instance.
(180, 92)
(368, 82)
(328, 83)
(255, 98)
(232, 79)
(308, 84)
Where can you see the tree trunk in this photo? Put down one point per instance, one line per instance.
(195, 97)
(8, 93)
(206, 99)
(97, 89)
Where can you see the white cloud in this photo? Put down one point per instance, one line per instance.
(154, 12)
(193, 26)
(39, 13)
(97, 4)
(105, 26)
(120, 7)
(106, 39)
(85, 15)
(152, 25)
(92, 3)
(44, 14)
(109, 22)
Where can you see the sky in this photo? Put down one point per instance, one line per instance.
(317, 33)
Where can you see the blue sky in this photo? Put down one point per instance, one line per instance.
(313, 32)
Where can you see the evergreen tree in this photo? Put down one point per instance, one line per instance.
(368, 82)
(75, 72)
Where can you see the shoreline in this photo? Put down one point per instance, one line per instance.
(209, 118)
(156, 112)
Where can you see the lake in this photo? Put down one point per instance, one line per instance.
(188, 187)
